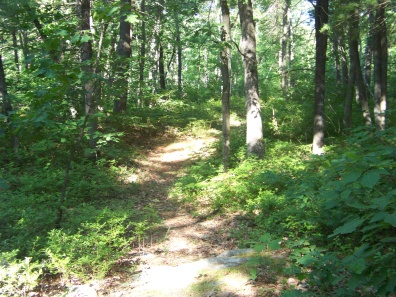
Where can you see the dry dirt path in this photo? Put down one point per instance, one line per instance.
(173, 260)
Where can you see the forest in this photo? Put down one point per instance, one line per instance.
(298, 95)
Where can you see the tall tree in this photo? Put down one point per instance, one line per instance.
(369, 52)
(179, 52)
(254, 131)
(321, 19)
(285, 40)
(86, 60)
(354, 47)
(225, 73)
(380, 65)
(142, 57)
(124, 53)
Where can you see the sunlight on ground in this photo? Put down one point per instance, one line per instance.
(200, 278)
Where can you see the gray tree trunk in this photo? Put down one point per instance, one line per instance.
(380, 65)
(254, 131)
(358, 81)
(321, 18)
(225, 73)
(86, 60)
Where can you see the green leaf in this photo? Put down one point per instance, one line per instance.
(85, 38)
(378, 216)
(345, 194)
(265, 238)
(381, 203)
(133, 19)
(75, 38)
(357, 265)
(348, 227)
(370, 179)
(391, 219)
(351, 176)
(274, 245)
(389, 240)
(307, 260)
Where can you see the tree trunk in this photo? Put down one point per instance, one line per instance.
(321, 18)
(225, 73)
(179, 53)
(369, 52)
(380, 65)
(284, 48)
(86, 60)
(124, 53)
(254, 131)
(350, 92)
(7, 106)
(15, 46)
(337, 60)
(142, 58)
(161, 67)
(358, 81)
(344, 60)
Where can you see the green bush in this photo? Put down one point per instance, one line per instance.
(17, 277)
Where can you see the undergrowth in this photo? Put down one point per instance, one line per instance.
(335, 214)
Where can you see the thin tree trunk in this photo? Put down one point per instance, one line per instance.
(225, 73)
(358, 81)
(124, 53)
(25, 49)
(321, 18)
(337, 59)
(86, 60)
(369, 52)
(380, 65)
(344, 61)
(142, 58)
(350, 92)
(161, 67)
(284, 43)
(179, 53)
(7, 106)
(254, 131)
(15, 46)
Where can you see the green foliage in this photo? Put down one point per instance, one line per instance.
(92, 250)
(336, 211)
(17, 277)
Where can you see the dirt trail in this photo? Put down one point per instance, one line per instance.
(182, 239)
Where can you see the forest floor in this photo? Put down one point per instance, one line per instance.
(181, 239)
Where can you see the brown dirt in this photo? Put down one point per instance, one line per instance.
(181, 238)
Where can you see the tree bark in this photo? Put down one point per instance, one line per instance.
(355, 64)
(86, 60)
(7, 106)
(369, 52)
(225, 73)
(284, 47)
(124, 53)
(337, 60)
(179, 53)
(161, 67)
(142, 57)
(380, 65)
(321, 18)
(254, 131)
(347, 121)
